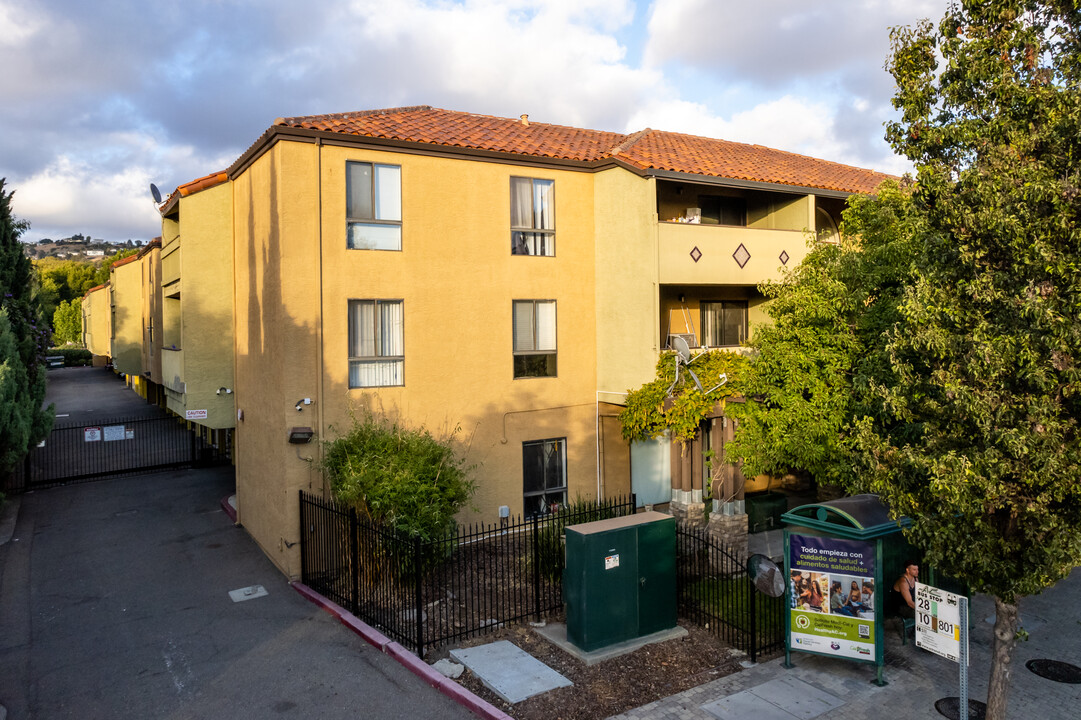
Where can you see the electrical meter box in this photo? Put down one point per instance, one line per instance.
(619, 581)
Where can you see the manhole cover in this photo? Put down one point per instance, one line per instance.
(1055, 670)
(950, 707)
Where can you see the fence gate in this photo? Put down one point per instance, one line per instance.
(80, 453)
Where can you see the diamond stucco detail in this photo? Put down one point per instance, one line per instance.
(696, 254)
(783, 257)
(741, 255)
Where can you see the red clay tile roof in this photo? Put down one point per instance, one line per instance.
(190, 188)
(423, 124)
(125, 261)
(94, 289)
(656, 150)
(202, 183)
(644, 150)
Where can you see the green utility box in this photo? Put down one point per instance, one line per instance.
(620, 579)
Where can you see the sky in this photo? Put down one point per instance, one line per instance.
(100, 99)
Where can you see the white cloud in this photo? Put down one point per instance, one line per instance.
(553, 60)
(74, 192)
(789, 123)
(776, 41)
(104, 98)
(69, 194)
(20, 24)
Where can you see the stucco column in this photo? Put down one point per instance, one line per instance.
(728, 517)
(686, 504)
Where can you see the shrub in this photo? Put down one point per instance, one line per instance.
(550, 540)
(73, 357)
(402, 478)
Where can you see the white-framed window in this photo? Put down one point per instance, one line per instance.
(373, 206)
(532, 216)
(544, 476)
(724, 323)
(376, 354)
(534, 338)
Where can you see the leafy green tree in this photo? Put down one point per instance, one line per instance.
(950, 377)
(988, 359)
(824, 350)
(68, 322)
(23, 339)
(64, 281)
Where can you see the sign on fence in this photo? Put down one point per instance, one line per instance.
(92, 434)
(115, 432)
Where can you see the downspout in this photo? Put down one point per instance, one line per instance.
(319, 346)
(597, 435)
(235, 448)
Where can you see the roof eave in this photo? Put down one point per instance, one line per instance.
(746, 184)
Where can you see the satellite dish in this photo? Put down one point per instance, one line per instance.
(766, 576)
(155, 193)
(683, 357)
(680, 346)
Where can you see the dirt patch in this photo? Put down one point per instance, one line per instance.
(613, 686)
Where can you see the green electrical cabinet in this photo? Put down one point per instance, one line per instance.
(619, 581)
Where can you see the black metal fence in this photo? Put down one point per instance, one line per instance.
(425, 593)
(83, 452)
(716, 593)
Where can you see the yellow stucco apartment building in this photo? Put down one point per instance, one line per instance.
(508, 277)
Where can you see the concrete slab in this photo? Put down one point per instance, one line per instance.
(556, 633)
(797, 697)
(744, 705)
(783, 698)
(508, 671)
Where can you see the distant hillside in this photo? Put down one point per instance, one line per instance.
(77, 248)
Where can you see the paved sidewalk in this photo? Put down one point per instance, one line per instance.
(916, 678)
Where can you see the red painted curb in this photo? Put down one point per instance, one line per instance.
(370, 634)
(418, 667)
(414, 664)
(331, 607)
(229, 509)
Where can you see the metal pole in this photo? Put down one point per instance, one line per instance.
(788, 603)
(962, 660)
(303, 540)
(417, 617)
(536, 569)
(754, 621)
(354, 560)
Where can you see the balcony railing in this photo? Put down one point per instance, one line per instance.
(691, 254)
(172, 369)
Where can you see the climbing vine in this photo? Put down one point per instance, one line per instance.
(650, 410)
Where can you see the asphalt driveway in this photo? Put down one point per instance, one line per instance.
(114, 603)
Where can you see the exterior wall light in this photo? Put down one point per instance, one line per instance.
(300, 435)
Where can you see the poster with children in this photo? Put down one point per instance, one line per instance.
(831, 596)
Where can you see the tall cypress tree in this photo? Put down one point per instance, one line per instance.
(23, 339)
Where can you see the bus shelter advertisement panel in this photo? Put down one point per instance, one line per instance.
(832, 604)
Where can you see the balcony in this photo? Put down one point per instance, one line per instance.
(172, 369)
(691, 254)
